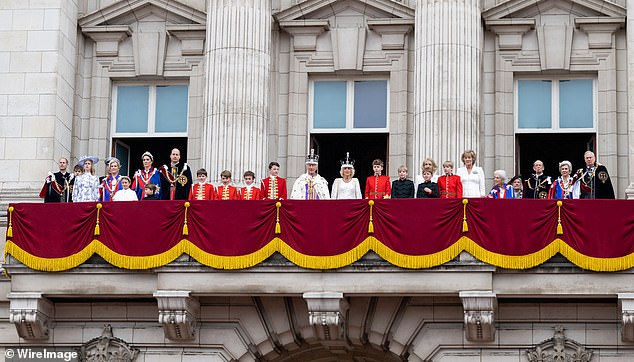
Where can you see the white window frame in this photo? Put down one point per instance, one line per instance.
(151, 132)
(349, 106)
(554, 116)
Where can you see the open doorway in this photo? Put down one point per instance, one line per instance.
(130, 150)
(363, 148)
(551, 149)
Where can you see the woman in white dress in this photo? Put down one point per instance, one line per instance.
(346, 187)
(472, 176)
(86, 187)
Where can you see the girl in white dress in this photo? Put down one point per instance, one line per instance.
(86, 187)
(346, 187)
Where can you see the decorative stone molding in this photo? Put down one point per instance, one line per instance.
(479, 312)
(326, 313)
(510, 32)
(559, 348)
(31, 314)
(178, 312)
(107, 38)
(392, 31)
(305, 32)
(107, 348)
(626, 303)
(192, 37)
(600, 30)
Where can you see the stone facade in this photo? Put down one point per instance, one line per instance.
(452, 69)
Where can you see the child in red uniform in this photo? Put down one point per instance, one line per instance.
(202, 190)
(449, 185)
(226, 191)
(250, 192)
(378, 186)
(274, 187)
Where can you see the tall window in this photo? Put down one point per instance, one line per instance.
(150, 110)
(552, 105)
(348, 105)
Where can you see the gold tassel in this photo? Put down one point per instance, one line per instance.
(560, 229)
(371, 224)
(465, 227)
(278, 228)
(97, 229)
(185, 228)
(10, 228)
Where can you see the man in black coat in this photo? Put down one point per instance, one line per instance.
(55, 187)
(594, 180)
(538, 185)
(402, 188)
(176, 178)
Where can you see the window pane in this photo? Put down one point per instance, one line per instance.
(132, 108)
(575, 103)
(534, 103)
(329, 104)
(171, 108)
(370, 104)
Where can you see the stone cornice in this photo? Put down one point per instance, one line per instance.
(392, 31)
(305, 32)
(600, 30)
(107, 38)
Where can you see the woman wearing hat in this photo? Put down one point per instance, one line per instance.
(346, 187)
(86, 187)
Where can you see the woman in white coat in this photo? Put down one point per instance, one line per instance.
(472, 176)
(346, 187)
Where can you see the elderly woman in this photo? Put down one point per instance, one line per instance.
(562, 187)
(346, 187)
(516, 183)
(427, 165)
(501, 190)
(86, 186)
(472, 176)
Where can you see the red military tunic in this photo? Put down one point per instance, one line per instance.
(202, 192)
(274, 188)
(227, 193)
(378, 187)
(250, 193)
(450, 187)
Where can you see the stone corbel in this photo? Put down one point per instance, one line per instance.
(305, 32)
(326, 313)
(510, 32)
(600, 30)
(107, 38)
(178, 312)
(479, 311)
(31, 314)
(392, 32)
(192, 37)
(626, 303)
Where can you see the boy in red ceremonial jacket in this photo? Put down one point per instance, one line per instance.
(202, 190)
(378, 186)
(250, 192)
(225, 190)
(449, 185)
(274, 187)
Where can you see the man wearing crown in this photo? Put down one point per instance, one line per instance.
(274, 187)
(593, 180)
(176, 178)
(310, 186)
(148, 175)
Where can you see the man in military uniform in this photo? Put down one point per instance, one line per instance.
(55, 187)
(176, 180)
(538, 185)
(593, 180)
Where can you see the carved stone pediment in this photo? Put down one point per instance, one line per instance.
(126, 12)
(559, 349)
(531, 9)
(107, 348)
(320, 9)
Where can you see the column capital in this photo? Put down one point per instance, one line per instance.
(479, 311)
(31, 313)
(178, 312)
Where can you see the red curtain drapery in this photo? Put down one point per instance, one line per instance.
(409, 233)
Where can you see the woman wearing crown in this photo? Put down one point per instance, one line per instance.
(148, 175)
(346, 187)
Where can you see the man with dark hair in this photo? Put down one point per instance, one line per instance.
(55, 187)
(176, 180)
(593, 180)
(274, 187)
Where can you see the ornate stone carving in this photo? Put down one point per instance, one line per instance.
(177, 313)
(326, 313)
(626, 303)
(479, 312)
(559, 349)
(107, 348)
(31, 313)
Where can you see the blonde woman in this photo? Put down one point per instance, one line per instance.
(472, 176)
(346, 187)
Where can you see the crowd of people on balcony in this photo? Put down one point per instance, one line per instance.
(175, 182)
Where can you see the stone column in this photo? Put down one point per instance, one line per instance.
(629, 191)
(237, 104)
(447, 79)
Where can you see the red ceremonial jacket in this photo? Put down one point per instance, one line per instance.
(378, 187)
(250, 194)
(274, 191)
(202, 192)
(450, 187)
(227, 193)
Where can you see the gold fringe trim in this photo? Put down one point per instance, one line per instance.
(10, 228)
(97, 229)
(185, 228)
(465, 227)
(371, 224)
(560, 229)
(278, 228)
